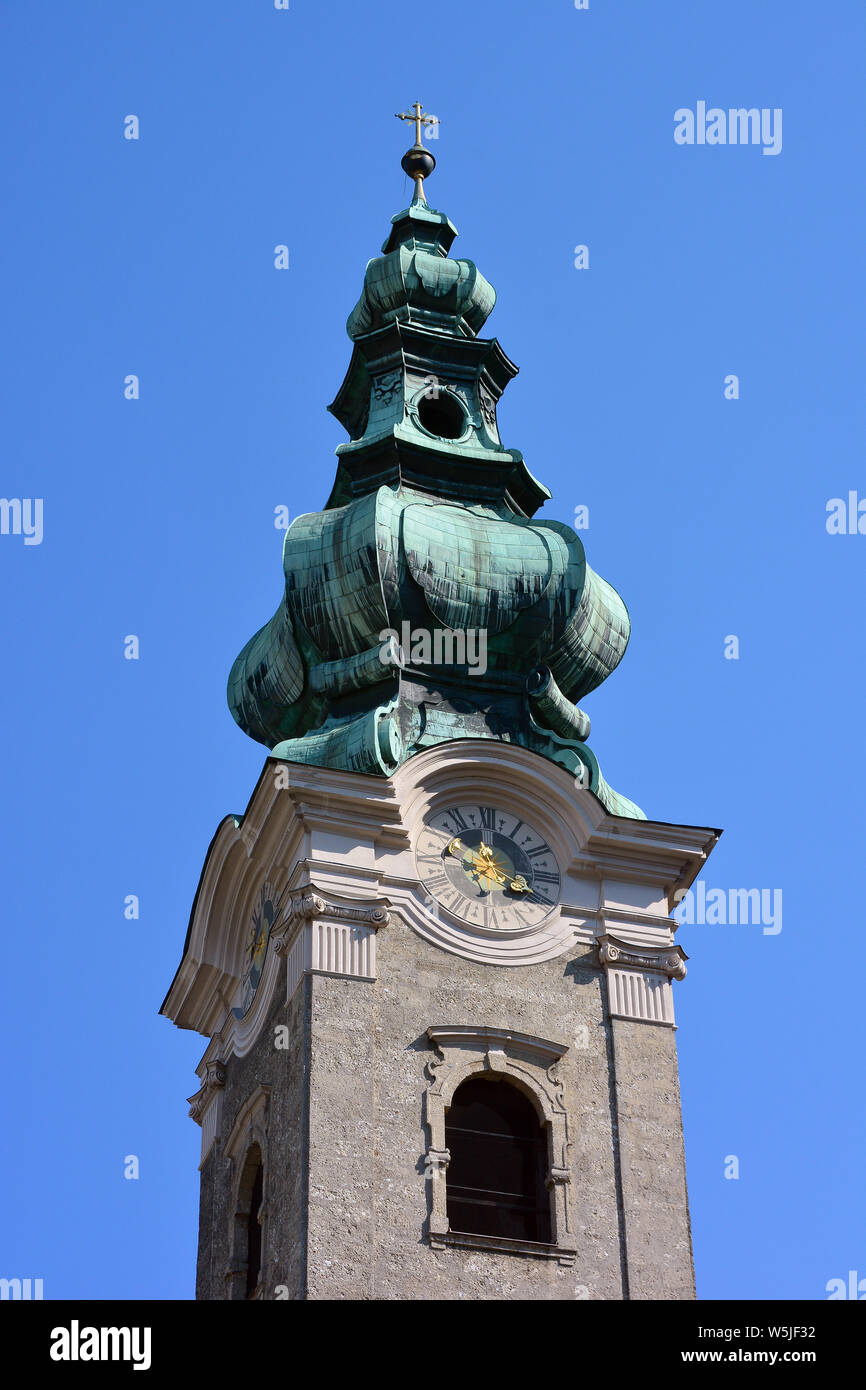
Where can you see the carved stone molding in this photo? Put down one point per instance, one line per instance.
(464, 1050)
(304, 907)
(205, 1107)
(250, 1126)
(665, 960)
(249, 1131)
(639, 979)
(318, 936)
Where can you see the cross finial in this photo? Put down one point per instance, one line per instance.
(417, 114)
(418, 162)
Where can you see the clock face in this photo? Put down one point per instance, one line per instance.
(488, 867)
(263, 917)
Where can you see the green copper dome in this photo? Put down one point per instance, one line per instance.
(416, 281)
(424, 604)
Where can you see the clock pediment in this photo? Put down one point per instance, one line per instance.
(356, 840)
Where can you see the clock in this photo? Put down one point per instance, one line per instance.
(488, 867)
(262, 919)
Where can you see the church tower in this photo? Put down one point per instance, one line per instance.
(434, 958)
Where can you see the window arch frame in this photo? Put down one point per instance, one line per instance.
(529, 1063)
(249, 1134)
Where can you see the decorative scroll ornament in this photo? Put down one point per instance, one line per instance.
(665, 960)
(639, 979)
(215, 1080)
(386, 387)
(306, 906)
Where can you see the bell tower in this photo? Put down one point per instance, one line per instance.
(434, 958)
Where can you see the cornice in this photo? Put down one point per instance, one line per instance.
(497, 1040)
(343, 844)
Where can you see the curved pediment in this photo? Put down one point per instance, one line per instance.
(208, 980)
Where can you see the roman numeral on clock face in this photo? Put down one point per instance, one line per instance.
(469, 855)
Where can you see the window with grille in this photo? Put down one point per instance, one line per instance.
(254, 1228)
(495, 1181)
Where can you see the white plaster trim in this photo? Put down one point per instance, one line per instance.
(207, 1104)
(356, 834)
(639, 978)
(250, 1126)
(240, 1034)
(298, 962)
(323, 937)
(591, 847)
(640, 995)
(522, 946)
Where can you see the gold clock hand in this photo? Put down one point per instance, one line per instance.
(518, 883)
(483, 861)
(482, 864)
(466, 856)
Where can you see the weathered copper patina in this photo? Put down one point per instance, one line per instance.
(428, 532)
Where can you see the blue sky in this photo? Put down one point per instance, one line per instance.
(155, 257)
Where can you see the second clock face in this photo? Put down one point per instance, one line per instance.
(264, 915)
(488, 867)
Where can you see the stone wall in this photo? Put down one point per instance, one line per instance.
(284, 1071)
(368, 1141)
(346, 1133)
(658, 1234)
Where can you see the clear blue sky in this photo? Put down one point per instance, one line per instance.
(155, 257)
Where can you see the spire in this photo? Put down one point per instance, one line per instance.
(415, 279)
(426, 546)
(418, 162)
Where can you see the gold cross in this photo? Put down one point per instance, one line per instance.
(417, 116)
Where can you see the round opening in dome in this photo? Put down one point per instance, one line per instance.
(441, 415)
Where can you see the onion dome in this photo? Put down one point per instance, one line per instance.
(426, 603)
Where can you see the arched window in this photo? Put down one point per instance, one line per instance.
(499, 1162)
(254, 1230)
(245, 1274)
